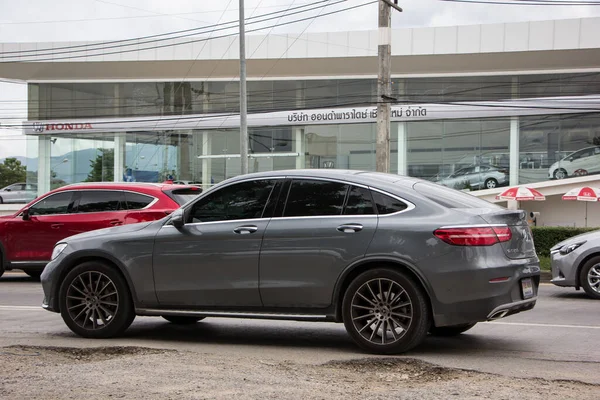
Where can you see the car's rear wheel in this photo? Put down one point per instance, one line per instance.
(182, 320)
(34, 274)
(385, 311)
(560, 173)
(95, 301)
(1, 200)
(589, 277)
(491, 183)
(452, 330)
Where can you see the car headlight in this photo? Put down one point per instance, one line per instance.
(566, 249)
(57, 250)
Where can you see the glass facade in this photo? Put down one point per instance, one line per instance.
(467, 153)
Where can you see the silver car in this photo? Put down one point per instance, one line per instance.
(18, 193)
(576, 263)
(475, 177)
(391, 257)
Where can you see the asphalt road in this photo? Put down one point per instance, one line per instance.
(559, 339)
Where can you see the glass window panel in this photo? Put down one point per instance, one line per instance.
(359, 202)
(99, 201)
(239, 201)
(386, 204)
(308, 198)
(137, 201)
(59, 203)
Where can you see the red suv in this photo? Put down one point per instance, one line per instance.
(28, 237)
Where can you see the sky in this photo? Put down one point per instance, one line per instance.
(78, 20)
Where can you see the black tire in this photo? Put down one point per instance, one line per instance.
(107, 292)
(453, 330)
(182, 320)
(398, 298)
(560, 173)
(587, 281)
(34, 274)
(1, 200)
(490, 183)
(1, 264)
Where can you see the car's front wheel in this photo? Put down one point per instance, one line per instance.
(182, 320)
(385, 311)
(589, 277)
(560, 173)
(95, 301)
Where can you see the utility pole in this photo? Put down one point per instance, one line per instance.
(243, 99)
(384, 84)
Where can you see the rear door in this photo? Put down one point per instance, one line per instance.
(96, 209)
(322, 227)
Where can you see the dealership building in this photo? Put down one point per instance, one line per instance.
(477, 107)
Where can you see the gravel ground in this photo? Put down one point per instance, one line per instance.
(143, 373)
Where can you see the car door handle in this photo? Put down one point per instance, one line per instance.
(350, 228)
(116, 222)
(246, 229)
(56, 226)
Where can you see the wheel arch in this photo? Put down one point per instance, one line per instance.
(357, 268)
(580, 267)
(78, 259)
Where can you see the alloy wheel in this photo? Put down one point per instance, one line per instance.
(92, 300)
(381, 311)
(593, 278)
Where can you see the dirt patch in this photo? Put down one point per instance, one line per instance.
(400, 369)
(74, 354)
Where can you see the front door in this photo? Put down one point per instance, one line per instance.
(325, 226)
(213, 259)
(34, 238)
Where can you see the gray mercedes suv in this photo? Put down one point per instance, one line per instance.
(391, 257)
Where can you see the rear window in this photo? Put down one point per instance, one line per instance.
(182, 196)
(451, 198)
(137, 201)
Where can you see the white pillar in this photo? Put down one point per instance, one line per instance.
(402, 149)
(206, 162)
(44, 166)
(119, 161)
(299, 137)
(514, 151)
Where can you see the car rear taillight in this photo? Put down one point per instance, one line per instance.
(474, 235)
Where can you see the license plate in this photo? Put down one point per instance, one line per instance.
(527, 287)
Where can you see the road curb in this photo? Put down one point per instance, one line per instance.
(545, 276)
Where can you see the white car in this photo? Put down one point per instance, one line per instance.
(582, 162)
(18, 193)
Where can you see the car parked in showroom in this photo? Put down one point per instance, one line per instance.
(576, 263)
(475, 177)
(18, 193)
(28, 237)
(581, 162)
(391, 257)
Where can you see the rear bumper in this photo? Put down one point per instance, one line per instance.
(478, 297)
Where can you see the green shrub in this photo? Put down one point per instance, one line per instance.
(545, 237)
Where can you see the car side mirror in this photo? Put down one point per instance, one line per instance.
(7, 190)
(26, 215)
(177, 219)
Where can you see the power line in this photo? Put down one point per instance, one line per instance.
(187, 32)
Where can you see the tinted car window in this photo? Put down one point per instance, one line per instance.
(359, 202)
(99, 201)
(137, 201)
(239, 201)
(451, 198)
(59, 203)
(387, 204)
(308, 198)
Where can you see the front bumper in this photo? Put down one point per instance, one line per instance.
(564, 269)
(49, 279)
